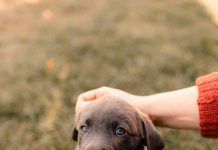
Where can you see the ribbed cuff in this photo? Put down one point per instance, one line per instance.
(208, 105)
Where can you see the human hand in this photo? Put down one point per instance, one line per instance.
(85, 98)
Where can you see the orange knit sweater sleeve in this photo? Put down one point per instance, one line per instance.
(208, 105)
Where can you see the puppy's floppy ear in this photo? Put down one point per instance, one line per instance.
(75, 134)
(151, 138)
(75, 131)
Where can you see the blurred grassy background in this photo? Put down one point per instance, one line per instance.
(51, 51)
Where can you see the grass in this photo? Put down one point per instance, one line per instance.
(51, 51)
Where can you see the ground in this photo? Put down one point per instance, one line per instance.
(51, 51)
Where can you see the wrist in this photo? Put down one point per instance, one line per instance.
(147, 105)
(144, 104)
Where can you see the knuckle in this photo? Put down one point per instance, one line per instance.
(104, 88)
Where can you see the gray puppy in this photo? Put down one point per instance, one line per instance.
(113, 124)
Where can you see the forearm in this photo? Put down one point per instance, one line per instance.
(175, 109)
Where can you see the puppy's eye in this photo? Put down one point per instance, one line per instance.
(120, 131)
(84, 128)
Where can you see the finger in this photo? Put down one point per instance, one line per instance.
(91, 95)
(88, 96)
(81, 106)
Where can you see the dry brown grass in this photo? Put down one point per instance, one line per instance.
(51, 51)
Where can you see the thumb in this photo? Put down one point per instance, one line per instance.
(89, 95)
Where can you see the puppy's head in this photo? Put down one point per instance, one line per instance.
(112, 124)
